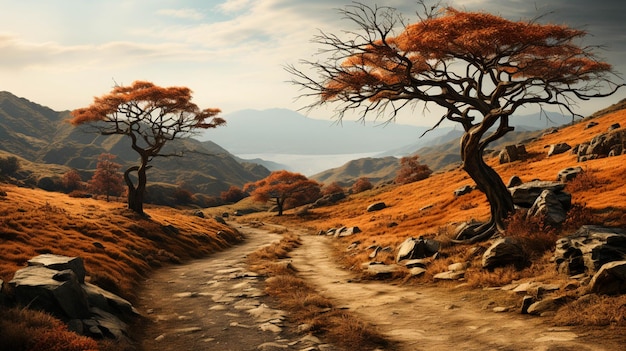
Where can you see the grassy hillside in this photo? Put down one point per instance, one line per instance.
(429, 207)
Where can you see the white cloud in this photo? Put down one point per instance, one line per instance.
(182, 13)
(231, 6)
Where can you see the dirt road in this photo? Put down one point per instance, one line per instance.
(218, 304)
(426, 318)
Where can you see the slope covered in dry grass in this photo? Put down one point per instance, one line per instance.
(118, 247)
(429, 208)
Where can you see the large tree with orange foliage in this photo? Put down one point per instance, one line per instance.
(286, 188)
(479, 67)
(150, 116)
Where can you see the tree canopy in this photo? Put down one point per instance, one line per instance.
(479, 67)
(150, 116)
(286, 188)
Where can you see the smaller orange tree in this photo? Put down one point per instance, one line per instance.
(72, 181)
(233, 194)
(362, 184)
(107, 180)
(288, 189)
(411, 170)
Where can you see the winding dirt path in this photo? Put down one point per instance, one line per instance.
(218, 304)
(427, 318)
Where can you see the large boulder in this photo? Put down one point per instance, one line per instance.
(603, 145)
(548, 206)
(57, 292)
(589, 248)
(56, 284)
(60, 263)
(421, 247)
(610, 279)
(526, 194)
(505, 252)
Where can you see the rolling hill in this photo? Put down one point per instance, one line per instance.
(42, 136)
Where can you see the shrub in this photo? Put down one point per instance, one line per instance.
(9, 165)
(535, 236)
(361, 184)
(411, 170)
(233, 194)
(72, 181)
(332, 188)
(182, 196)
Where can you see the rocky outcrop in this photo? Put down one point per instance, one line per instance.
(612, 143)
(589, 248)
(466, 189)
(56, 284)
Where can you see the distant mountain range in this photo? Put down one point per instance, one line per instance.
(40, 135)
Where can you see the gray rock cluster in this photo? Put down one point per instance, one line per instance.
(611, 143)
(511, 153)
(543, 198)
(340, 232)
(56, 284)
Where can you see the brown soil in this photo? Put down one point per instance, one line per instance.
(181, 297)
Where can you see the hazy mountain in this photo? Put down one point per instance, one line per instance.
(282, 131)
(39, 134)
(375, 169)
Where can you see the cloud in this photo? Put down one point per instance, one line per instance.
(182, 13)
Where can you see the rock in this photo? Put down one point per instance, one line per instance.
(525, 195)
(35, 286)
(505, 252)
(449, 275)
(614, 126)
(568, 174)
(328, 199)
(418, 262)
(526, 302)
(198, 213)
(545, 305)
(417, 248)
(591, 125)
(512, 153)
(382, 270)
(589, 248)
(60, 263)
(459, 266)
(514, 181)
(98, 245)
(346, 231)
(219, 219)
(560, 148)
(548, 206)
(417, 271)
(374, 253)
(377, 206)
(610, 279)
(107, 301)
(466, 189)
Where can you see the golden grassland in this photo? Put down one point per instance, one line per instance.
(117, 246)
(429, 208)
(120, 248)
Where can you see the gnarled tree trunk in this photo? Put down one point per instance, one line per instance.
(487, 181)
(136, 193)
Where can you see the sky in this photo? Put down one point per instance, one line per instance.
(231, 53)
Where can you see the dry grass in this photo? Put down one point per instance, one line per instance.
(305, 305)
(33, 222)
(429, 208)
